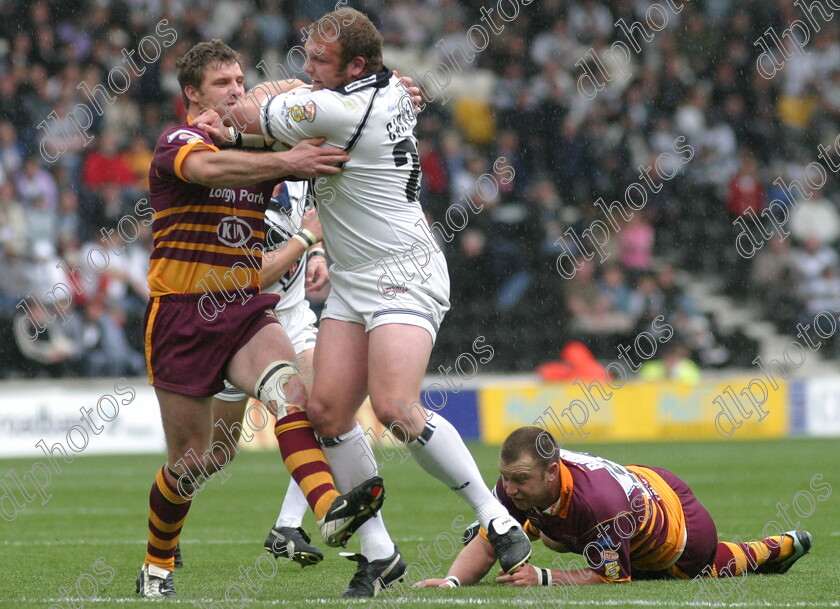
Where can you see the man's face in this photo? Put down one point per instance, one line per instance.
(322, 65)
(528, 483)
(223, 85)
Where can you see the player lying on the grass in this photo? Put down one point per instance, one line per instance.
(629, 522)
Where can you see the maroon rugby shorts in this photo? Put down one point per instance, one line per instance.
(701, 533)
(186, 352)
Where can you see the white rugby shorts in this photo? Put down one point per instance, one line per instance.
(375, 294)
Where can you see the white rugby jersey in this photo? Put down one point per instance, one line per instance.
(371, 210)
(282, 220)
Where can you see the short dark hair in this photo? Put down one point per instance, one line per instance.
(191, 65)
(533, 441)
(356, 35)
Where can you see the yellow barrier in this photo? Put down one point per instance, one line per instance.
(636, 411)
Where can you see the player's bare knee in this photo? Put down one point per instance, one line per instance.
(401, 430)
(326, 421)
(324, 426)
(405, 422)
(279, 387)
(316, 412)
(190, 467)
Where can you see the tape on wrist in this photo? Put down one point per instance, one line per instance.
(452, 581)
(302, 240)
(234, 137)
(543, 576)
(310, 238)
(252, 140)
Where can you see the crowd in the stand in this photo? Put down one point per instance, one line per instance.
(86, 87)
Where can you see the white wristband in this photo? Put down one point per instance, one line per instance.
(543, 575)
(302, 240)
(252, 140)
(452, 581)
(307, 234)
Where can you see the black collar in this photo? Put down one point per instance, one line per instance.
(378, 80)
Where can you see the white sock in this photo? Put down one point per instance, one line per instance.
(293, 508)
(442, 453)
(352, 462)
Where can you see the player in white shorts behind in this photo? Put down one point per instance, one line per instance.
(289, 270)
(390, 285)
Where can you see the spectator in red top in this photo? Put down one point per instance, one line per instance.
(745, 189)
(435, 177)
(106, 165)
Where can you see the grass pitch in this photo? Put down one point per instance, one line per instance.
(85, 546)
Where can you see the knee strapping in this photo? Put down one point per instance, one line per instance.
(271, 387)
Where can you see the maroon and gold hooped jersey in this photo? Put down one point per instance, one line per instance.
(205, 239)
(623, 520)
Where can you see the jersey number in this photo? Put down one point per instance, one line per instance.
(622, 475)
(406, 152)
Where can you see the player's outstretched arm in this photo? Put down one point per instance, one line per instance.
(309, 160)
(530, 575)
(471, 564)
(275, 87)
(238, 168)
(277, 262)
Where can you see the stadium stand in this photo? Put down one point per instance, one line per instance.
(85, 86)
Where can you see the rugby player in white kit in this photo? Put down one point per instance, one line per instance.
(390, 285)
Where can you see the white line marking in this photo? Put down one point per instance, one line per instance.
(123, 542)
(386, 599)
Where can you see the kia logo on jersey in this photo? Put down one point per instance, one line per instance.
(233, 231)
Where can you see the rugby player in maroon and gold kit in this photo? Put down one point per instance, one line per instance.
(207, 320)
(628, 522)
